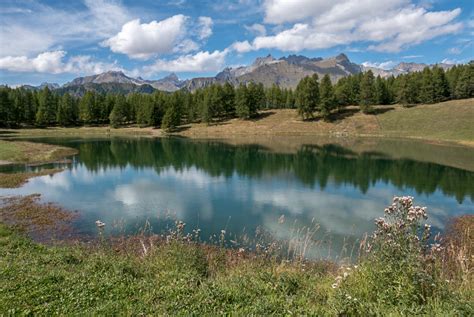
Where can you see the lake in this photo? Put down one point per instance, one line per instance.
(273, 187)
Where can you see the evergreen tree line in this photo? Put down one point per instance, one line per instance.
(311, 97)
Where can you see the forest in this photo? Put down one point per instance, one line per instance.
(313, 97)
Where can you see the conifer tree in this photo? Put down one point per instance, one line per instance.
(45, 114)
(118, 116)
(65, 114)
(381, 92)
(307, 96)
(326, 95)
(367, 92)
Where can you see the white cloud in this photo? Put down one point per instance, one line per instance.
(205, 27)
(257, 29)
(52, 63)
(24, 33)
(412, 56)
(449, 61)
(200, 62)
(382, 65)
(242, 47)
(141, 41)
(390, 25)
(281, 11)
(177, 34)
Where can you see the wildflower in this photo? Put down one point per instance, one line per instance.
(222, 232)
(335, 285)
(180, 225)
(100, 224)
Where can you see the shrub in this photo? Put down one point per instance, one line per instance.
(400, 270)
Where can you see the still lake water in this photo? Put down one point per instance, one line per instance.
(213, 186)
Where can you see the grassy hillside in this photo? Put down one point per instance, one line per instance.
(450, 121)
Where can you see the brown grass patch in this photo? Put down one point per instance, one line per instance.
(15, 180)
(458, 256)
(41, 221)
(32, 152)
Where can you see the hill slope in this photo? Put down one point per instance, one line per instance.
(447, 121)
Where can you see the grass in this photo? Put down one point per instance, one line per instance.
(31, 152)
(451, 121)
(15, 180)
(187, 278)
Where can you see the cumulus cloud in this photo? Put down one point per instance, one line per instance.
(172, 35)
(142, 41)
(205, 27)
(390, 25)
(202, 61)
(242, 47)
(52, 62)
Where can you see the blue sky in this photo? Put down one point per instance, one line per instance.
(56, 41)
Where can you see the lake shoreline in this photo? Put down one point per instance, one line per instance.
(444, 123)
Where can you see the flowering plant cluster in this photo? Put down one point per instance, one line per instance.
(401, 231)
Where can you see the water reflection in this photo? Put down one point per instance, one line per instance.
(213, 185)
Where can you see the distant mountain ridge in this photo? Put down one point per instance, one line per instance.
(286, 72)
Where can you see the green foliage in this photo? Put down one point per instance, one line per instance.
(172, 117)
(248, 99)
(367, 92)
(46, 113)
(327, 99)
(118, 116)
(401, 271)
(307, 96)
(464, 87)
(67, 113)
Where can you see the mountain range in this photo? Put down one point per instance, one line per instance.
(286, 72)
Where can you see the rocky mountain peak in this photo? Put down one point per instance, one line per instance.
(171, 77)
(342, 58)
(259, 61)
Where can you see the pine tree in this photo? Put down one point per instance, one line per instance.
(65, 114)
(465, 85)
(87, 107)
(381, 92)
(367, 92)
(407, 90)
(172, 117)
(326, 95)
(228, 100)
(242, 102)
(307, 96)
(5, 106)
(118, 116)
(440, 85)
(45, 114)
(427, 92)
